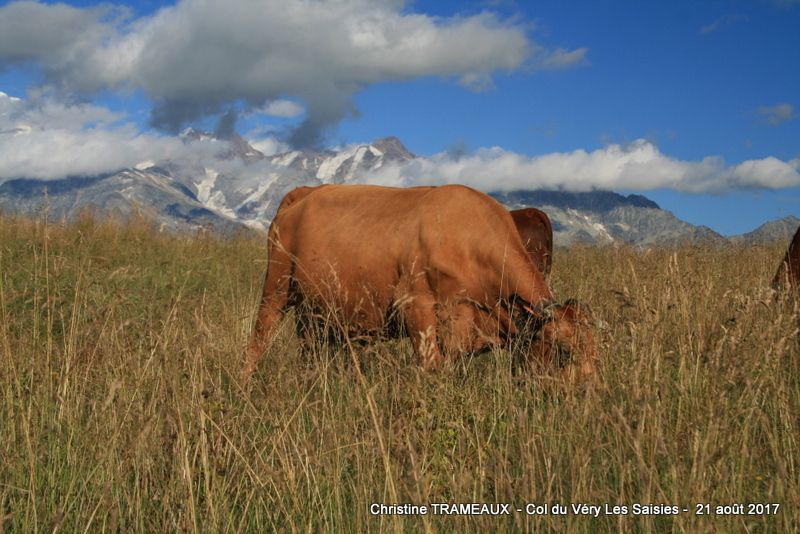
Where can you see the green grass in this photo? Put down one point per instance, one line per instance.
(119, 408)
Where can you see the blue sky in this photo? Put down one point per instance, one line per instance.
(705, 93)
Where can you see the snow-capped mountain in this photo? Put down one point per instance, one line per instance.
(342, 166)
(605, 217)
(252, 192)
(153, 194)
(241, 187)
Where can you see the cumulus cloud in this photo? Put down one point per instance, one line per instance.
(31, 31)
(45, 139)
(50, 154)
(639, 166)
(51, 140)
(204, 57)
(778, 114)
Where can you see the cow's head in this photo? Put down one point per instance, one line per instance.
(562, 337)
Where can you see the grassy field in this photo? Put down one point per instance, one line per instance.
(119, 408)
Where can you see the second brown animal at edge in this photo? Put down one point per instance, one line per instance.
(787, 277)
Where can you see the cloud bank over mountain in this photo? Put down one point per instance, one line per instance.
(45, 139)
(637, 166)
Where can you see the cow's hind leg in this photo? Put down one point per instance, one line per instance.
(274, 300)
(420, 319)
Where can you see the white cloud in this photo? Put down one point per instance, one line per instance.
(32, 31)
(561, 59)
(269, 146)
(479, 82)
(282, 108)
(41, 111)
(44, 139)
(56, 153)
(201, 57)
(778, 114)
(639, 166)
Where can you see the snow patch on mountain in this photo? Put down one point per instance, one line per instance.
(261, 190)
(205, 186)
(330, 167)
(285, 160)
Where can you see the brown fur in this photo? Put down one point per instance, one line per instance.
(448, 259)
(536, 232)
(788, 275)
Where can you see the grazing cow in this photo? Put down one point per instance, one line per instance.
(537, 236)
(788, 275)
(533, 226)
(446, 261)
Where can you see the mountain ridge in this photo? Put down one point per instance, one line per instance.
(189, 197)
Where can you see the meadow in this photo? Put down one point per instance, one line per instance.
(120, 410)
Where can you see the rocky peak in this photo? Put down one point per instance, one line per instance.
(393, 148)
(239, 147)
(777, 231)
(590, 201)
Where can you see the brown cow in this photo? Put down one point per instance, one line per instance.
(536, 232)
(533, 226)
(447, 259)
(788, 275)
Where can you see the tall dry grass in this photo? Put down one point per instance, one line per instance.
(119, 411)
